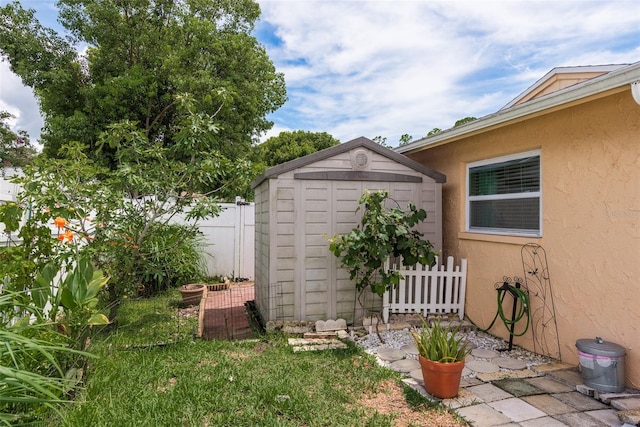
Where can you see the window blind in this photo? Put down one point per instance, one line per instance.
(505, 196)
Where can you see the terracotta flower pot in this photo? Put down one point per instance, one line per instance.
(441, 380)
(192, 294)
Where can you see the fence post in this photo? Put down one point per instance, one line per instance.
(386, 298)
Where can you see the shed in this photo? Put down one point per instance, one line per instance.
(301, 203)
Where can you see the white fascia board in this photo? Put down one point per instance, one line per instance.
(565, 70)
(612, 80)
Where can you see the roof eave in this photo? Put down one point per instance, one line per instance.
(572, 94)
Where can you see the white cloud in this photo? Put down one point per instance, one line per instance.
(392, 67)
(19, 101)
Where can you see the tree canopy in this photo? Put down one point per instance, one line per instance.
(15, 148)
(405, 139)
(140, 56)
(463, 121)
(291, 145)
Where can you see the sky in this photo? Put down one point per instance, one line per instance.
(393, 67)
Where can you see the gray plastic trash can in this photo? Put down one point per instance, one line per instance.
(601, 364)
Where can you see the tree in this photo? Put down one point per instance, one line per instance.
(405, 139)
(292, 145)
(434, 131)
(141, 55)
(463, 121)
(15, 148)
(382, 140)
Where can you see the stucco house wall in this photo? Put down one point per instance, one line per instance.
(300, 204)
(590, 184)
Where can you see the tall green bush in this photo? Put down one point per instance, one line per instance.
(172, 256)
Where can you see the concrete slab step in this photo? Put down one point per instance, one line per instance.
(331, 325)
(318, 347)
(320, 335)
(315, 344)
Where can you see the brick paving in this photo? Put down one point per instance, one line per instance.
(225, 315)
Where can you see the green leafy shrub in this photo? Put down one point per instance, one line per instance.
(383, 232)
(171, 256)
(34, 359)
(76, 293)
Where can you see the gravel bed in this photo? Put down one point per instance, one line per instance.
(476, 339)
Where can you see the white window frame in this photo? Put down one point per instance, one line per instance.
(510, 196)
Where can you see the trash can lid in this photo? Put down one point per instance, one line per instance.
(598, 347)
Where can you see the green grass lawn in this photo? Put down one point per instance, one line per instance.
(190, 382)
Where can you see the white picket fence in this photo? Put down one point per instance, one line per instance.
(437, 290)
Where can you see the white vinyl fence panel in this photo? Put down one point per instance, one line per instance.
(230, 242)
(425, 290)
(8, 193)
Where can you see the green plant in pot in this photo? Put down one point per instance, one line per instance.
(441, 355)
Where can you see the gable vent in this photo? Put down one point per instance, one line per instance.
(360, 159)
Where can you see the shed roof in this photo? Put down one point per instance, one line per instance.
(275, 171)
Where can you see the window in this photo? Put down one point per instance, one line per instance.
(503, 195)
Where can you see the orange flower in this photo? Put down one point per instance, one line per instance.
(60, 222)
(67, 235)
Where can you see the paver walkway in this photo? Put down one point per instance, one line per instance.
(225, 315)
(546, 395)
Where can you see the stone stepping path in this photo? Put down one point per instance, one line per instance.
(509, 363)
(405, 365)
(391, 354)
(483, 353)
(501, 390)
(410, 349)
(480, 361)
(482, 366)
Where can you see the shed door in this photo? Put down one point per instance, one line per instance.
(326, 208)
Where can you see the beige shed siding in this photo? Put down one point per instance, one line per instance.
(285, 246)
(262, 247)
(382, 164)
(336, 163)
